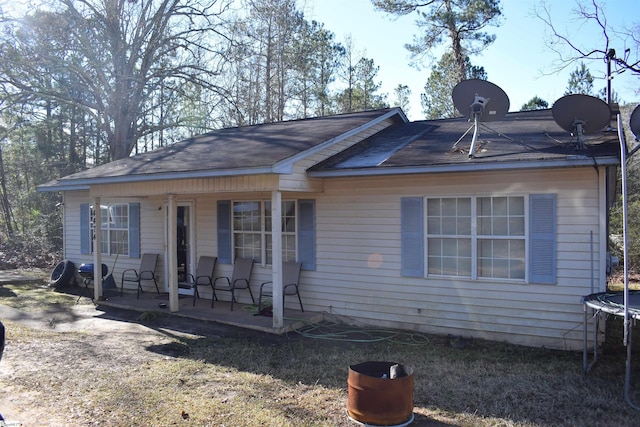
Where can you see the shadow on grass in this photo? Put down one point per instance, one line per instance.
(528, 386)
(477, 380)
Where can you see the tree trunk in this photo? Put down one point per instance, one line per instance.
(6, 207)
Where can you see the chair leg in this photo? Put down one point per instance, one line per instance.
(300, 301)
(251, 293)
(195, 294)
(156, 283)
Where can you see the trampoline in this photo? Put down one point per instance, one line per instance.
(613, 303)
(625, 304)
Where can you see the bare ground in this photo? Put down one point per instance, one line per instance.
(93, 339)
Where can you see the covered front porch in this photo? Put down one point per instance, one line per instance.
(243, 315)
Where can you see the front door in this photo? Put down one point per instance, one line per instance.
(185, 243)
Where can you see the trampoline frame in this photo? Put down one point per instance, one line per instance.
(601, 302)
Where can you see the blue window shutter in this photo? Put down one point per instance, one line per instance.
(307, 233)
(412, 236)
(224, 231)
(134, 230)
(85, 229)
(542, 238)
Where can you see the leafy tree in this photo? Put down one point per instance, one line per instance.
(280, 65)
(535, 103)
(401, 95)
(580, 81)
(315, 65)
(436, 100)
(460, 22)
(115, 57)
(362, 94)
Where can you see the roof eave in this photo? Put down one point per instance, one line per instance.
(85, 184)
(474, 167)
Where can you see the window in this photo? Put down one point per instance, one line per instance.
(252, 226)
(476, 237)
(114, 229)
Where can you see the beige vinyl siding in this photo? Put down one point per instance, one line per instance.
(151, 235)
(358, 252)
(188, 186)
(358, 271)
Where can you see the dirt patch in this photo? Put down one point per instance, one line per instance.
(85, 338)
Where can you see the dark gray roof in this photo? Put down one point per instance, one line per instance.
(520, 140)
(240, 150)
(523, 139)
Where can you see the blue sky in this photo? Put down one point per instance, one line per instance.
(518, 61)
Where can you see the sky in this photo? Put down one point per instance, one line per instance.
(519, 60)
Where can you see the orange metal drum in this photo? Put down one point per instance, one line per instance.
(377, 398)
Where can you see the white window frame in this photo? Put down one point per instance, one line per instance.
(263, 232)
(474, 237)
(109, 226)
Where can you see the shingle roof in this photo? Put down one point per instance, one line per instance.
(519, 138)
(523, 139)
(239, 149)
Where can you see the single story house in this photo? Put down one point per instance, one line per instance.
(395, 223)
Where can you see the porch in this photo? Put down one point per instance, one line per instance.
(243, 315)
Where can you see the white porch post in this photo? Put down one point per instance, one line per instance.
(172, 254)
(97, 251)
(276, 261)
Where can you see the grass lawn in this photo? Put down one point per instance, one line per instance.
(223, 376)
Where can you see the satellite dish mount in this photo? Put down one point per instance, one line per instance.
(581, 114)
(481, 101)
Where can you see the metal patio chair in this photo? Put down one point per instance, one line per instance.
(290, 282)
(203, 276)
(147, 272)
(240, 279)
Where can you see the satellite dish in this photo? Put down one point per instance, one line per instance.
(580, 114)
(481, 98)
(634, 122)
(480, 101)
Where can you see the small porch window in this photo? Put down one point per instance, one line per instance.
(114, 229)
(252, 230)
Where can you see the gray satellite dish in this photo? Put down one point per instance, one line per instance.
(581, 114)
(480, 101)
(634, 122)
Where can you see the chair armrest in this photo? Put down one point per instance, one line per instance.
(240, 280)
(144, 275)
(266, 283)
(222, 277)
(197, 280)
(129, 270)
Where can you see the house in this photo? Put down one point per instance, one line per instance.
(396, 225)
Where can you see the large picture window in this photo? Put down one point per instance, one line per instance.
(252, 230)
(476, 237)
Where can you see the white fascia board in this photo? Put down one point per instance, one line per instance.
(541, 164)
(84, 184)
